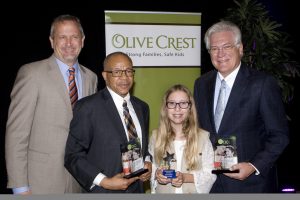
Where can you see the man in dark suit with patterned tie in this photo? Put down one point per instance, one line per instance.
(98, 129)
(254, 113)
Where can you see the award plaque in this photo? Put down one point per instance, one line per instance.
(225, 155)
(132, 159)
(169, 166)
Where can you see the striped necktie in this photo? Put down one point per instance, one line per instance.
(72, 87)
(132, 134)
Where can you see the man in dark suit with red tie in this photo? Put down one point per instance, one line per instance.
(98, 129)
(254, 113)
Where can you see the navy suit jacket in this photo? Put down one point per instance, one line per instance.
(255, 115)
(96, 133)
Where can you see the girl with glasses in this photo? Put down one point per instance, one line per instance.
(179, 144)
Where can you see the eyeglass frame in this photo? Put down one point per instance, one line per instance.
(126, 71)
(225, 48)
(179, 104)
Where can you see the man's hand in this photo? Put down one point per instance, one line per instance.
(117, 182)
(245, 170)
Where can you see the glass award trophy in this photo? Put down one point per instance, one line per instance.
(132, 159)
(168, 166)
(225, 155)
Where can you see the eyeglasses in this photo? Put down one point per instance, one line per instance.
(119, 73)
(226, 48)
(182, 105)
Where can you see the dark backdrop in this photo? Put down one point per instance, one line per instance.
(25, 34)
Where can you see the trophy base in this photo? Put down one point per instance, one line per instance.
(169, 173)
(222, 171)
(136, 173)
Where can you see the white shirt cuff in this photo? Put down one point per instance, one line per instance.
(98, 180)
(256, 170)
(20, 190)
(147, 158)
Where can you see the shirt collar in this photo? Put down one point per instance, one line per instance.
(117, 98)
(66, 67)
(231, 77)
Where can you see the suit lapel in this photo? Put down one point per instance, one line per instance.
(237, 90)
(58, 81)
(210, 96)
(139, 112)
(85, 81)
(114, 115)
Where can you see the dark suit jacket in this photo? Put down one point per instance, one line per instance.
(256, 115)
(96, 133)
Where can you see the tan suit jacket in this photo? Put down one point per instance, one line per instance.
(38, 125)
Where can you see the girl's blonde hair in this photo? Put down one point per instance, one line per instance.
(165, 134)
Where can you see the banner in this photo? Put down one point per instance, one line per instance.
(165, 48)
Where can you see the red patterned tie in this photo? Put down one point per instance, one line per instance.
(72, 87)
(132, 134)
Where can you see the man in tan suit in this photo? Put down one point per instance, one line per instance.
(40, 113)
